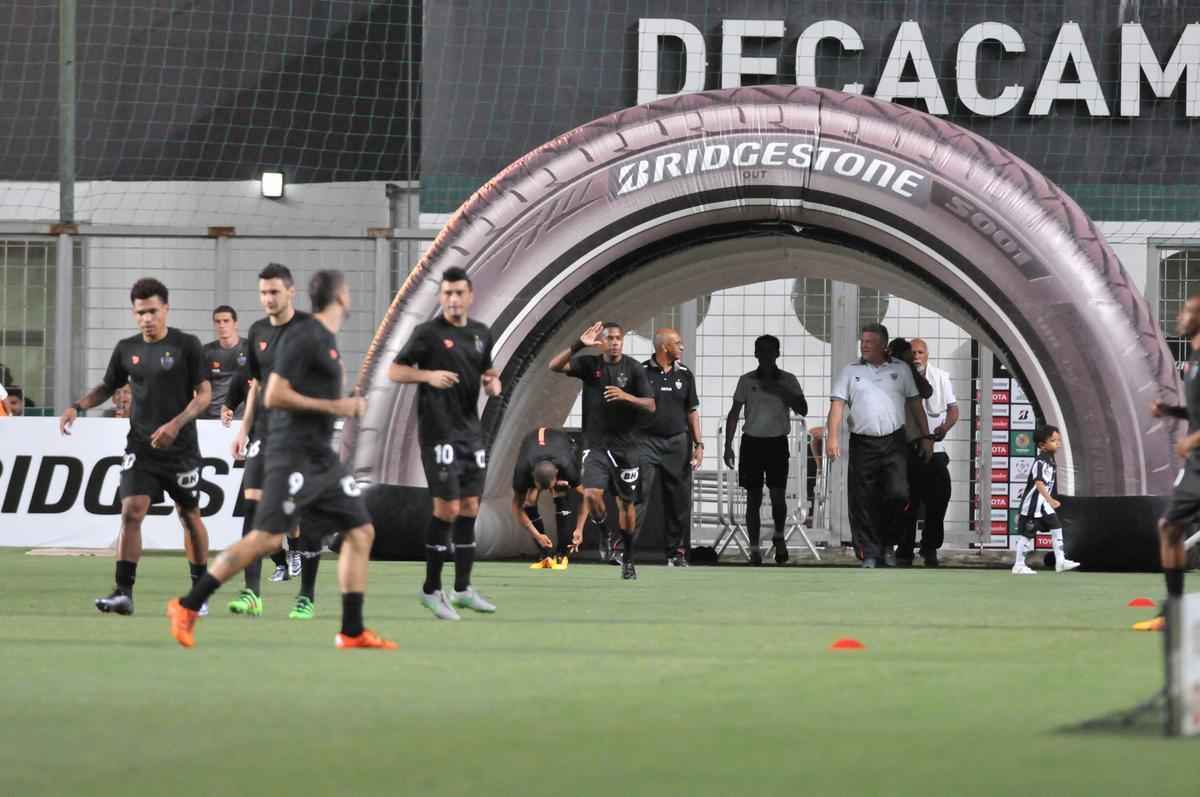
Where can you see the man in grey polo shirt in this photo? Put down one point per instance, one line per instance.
(768, 394)
(878, 392)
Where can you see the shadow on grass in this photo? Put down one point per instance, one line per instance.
(1147, 719)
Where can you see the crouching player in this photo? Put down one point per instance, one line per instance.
(547, 462)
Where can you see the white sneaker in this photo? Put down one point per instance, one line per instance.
(204, 609)
(1064, 564)
(294, 559)
(1022, 569)
(438, 604)
(470, 599)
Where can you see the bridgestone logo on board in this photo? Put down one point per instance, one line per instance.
(751, 159)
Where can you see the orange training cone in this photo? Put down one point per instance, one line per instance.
(847, 643)
(1141, 603)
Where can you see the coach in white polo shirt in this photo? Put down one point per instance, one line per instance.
(875, 394)
(929, 480)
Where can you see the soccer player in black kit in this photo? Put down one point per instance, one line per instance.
(165, 368)
(276, 294)
(616, 393)
(303, 473)
(225, 357)
(547, 461)
(1184, 508)
(449, 358)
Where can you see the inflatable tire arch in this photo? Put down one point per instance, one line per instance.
(957, 211)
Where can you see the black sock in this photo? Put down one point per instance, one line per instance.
(436, 537)
(464, 552)
(253, 572)
(754, 516)
(563, 525)
(779, 515)
(308, 575)
(279, 558)
(1174, 582)
(627, 540)
(352, 606)
(202, 590)
(196, 571)
(126, 575)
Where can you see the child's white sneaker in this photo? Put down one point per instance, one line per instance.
(1022, 569)
(1064, 564)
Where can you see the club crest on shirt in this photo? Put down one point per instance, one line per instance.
(449, 344)
(895, 377)
(241, 359)
(622, 379)
(479, 344)
(136, 359)
(262, 345)
(167, 361)
(679, 384)
(216, 367)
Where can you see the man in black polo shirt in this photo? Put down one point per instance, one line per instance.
(165, 368)
(616, 393)
(672, 446)
(450, 357)
(547, 461)
(224, 357)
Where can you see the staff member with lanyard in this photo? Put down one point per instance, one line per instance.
(879, 392)
(672, 446)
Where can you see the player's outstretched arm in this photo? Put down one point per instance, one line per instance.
(592, 336)
(281, 395)
(93, 398)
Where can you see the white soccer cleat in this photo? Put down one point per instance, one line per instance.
(470, 599)
(1023, 569)
(438, 604)
(204, 609)
(1064, 564)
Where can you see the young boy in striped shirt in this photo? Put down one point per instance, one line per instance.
(1038, 505)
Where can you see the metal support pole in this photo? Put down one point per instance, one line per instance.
(689, 320)
(64, 306)
(66, 111)
(983, 474)
(383, 277)
(843, 328)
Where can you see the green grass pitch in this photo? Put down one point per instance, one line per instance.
(709, 681)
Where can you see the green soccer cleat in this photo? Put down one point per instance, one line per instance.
(303, 610)
(247, 603)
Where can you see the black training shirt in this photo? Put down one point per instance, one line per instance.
(261, 359)
(438, 345)
(610, 424)
(1191, 395)
(222, 365)
(308, 358)
(541, 445)
(164, 376)
(674, 398)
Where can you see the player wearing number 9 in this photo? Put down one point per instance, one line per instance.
(449, 359)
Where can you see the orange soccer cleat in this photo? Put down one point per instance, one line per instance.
(183, 622)
(367, 639)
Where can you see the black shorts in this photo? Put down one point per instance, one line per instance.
(323, 491)
(146, 474)
(255, 468)
(763, 457)
(1184, 506)
(1030, 527)
(455, 469)
(613, 470)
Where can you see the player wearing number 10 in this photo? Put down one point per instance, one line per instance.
(303, 473)
(449, 358)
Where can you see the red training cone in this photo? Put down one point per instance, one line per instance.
(847, 643)
(1141, 603)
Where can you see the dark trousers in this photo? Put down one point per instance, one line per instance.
(928, 486)
(668, 461)
(878, 490)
